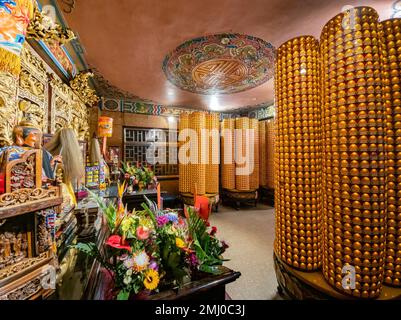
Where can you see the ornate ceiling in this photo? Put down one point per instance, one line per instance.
(127, 42)
(220, 64)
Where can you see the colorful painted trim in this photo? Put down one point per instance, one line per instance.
(139, 107)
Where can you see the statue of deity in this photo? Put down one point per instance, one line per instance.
(27, 136)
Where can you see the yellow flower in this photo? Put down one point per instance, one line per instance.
(121, 189)
(151, 279)
(179, 243)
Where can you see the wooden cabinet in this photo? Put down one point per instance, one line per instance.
(27, 216)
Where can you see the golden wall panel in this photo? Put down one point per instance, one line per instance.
(8, 108)
(32, 104)
(184, 169)
(262, 153)
(227, 154)
(254, 176)
(197, 122)
(266, 153)
(242, 182)
(212, 167)
(270, 153)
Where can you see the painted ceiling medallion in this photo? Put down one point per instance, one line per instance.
(221, 63)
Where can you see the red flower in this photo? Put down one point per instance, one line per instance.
(115, 241)
(213, 231)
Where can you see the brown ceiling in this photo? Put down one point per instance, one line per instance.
(127, 40)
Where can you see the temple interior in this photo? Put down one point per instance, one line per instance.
(200, 150)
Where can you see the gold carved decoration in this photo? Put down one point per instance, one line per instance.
(28, 288)
(33, 63)
(81, 87)
(30, 111)
(62, 96)
(68, 110)
(31, 84)
(20, 266)
(219, 73)
(26, 195)
(33, 89)
(8, 108)
(80, 119)
(42, 27)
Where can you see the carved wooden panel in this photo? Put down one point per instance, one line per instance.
(27, 286)
(219, 73)
(67, 110)
(25, 172)
(80, 119)
(8, 108)
(33, 89)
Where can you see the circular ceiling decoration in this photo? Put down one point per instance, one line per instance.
(220, 63)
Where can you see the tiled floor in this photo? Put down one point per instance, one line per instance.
(250, 234)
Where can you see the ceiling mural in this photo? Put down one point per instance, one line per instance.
(220, 64)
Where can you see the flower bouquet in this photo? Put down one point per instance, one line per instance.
(152, 250)
(138, 177)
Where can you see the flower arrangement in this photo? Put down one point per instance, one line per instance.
(151, 249)
(138, 177)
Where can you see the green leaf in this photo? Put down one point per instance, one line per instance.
(123, 295)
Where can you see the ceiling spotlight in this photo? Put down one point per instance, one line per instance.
(214, 103)
(302, 71)
(170, 92)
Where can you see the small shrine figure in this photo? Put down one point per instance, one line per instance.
(27, 137)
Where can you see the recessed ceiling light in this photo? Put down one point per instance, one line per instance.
(214, 103)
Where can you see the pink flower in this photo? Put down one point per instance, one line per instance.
(142, 233)
(115, 241)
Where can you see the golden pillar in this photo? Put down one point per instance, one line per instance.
(227, 154)
(353, 187)
(183, 168)
(212, 167)
(391, 40)
(298, 154)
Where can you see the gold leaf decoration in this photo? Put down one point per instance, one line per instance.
(81, 87)
(42, 27)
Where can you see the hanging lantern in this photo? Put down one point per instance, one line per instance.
(105, 127)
